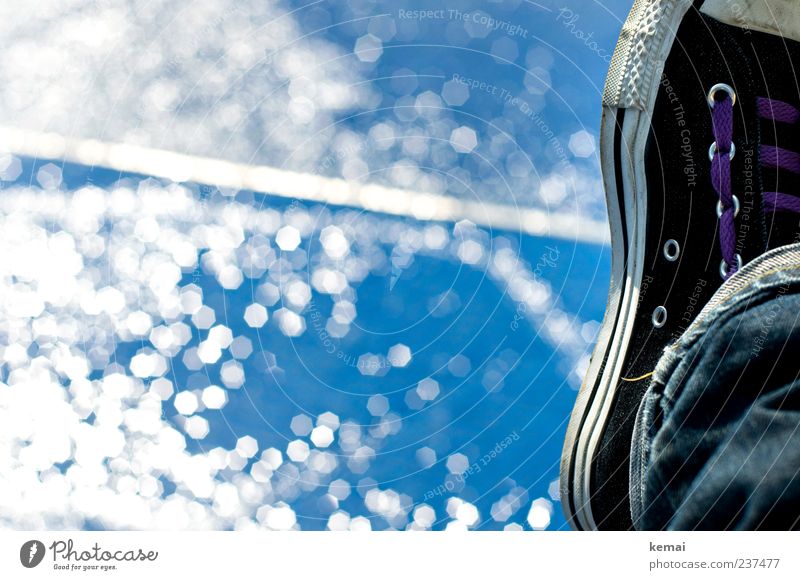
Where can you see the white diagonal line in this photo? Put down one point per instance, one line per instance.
(303, 186)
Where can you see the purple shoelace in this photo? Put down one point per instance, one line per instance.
(721, 153)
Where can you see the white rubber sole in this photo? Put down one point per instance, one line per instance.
(628, 101)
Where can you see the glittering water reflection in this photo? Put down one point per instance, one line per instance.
(180, 356)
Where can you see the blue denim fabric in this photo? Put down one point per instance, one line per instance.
(717, 437)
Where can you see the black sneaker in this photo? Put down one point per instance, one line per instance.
(690, 159)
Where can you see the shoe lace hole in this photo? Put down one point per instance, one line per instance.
(659, 317)
(672, 250)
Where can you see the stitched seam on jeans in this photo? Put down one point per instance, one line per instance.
(788, 256)
(739, 293)
(692, 353)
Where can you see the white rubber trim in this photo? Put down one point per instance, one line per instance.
(572, 460)
(632, 85)
(635, 131)
(633, 72)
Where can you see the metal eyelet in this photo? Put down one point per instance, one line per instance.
(659, 317)
(720, 87)
(723, 266)
(672, 250)
(713, 149)
(736, 207)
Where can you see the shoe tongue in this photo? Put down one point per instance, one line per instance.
(749, 188)
(780, 141)
(766, 63)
